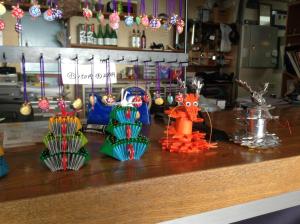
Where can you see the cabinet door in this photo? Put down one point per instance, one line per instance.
(263, 47)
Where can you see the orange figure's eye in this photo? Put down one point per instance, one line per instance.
(195, 104)
(188, 104)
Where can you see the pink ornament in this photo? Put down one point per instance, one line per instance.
(179, 98)
(145, 20)
(87, 13)
(137, 101)
(179, 26)
(179, 29)
(44, 104)
(2, 25)
(17, 12)
(146, 98)
(155, 23)
(114, 20)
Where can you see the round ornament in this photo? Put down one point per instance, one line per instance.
(159, 101)
(25, 109)
(129, 21)
(155, 23)
(17, 12)
(92, 100)
(44, 104)
(2, 25)
(2, 9)
(87, 13)
(114, 20)
(18, 27)
(77, 104)
(138, 20)
(145, 21)
(146, 98)
(57, 13)
(100, 18)
(108, 100)
(137, 101)
(35, 11)
(138, 115)
(179, 26)
(48, 15)
(173, 19)
(170, 99)
(179, 98)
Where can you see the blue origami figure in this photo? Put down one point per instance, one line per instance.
(3, 164)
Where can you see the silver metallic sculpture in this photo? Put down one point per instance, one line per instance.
(253, 121)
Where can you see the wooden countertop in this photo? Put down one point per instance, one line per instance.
(161, 186)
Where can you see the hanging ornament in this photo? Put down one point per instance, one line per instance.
(108, 99)
(129, 21)
(146, 97)
(2, 9)
(17, 12)
(180, 22)
(145, 21)
(35, 10)
(57, 13)
(43, 103)
(48, 15)
(92, 98)
(77, 103)
(2, 25)
(155, 22)
(114, 18)
(138, 20)
(158, 100)
(179, 98)
(18, 26)
(26, 108)
(87, 13)
(137, 101)
(170, 98)
(173, 19)
(60, 83)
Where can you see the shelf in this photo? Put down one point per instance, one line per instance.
(90, 46)
(107, 191)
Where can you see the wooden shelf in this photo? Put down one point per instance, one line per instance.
(122, 48)
(109, 191)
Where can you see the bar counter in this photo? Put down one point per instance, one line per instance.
(161, 186)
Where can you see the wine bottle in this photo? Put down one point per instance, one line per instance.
(138, 39)
(133, 39)
(114, 38)
(95, 37)
(89, 34)
(100, 39)
(107, 38)
(143, 40)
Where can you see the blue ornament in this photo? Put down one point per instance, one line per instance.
(173, 19)
(35, 11)
(48, 15)
(129, 21)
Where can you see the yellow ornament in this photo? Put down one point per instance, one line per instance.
(1, 151)
(138, 115)
(77, 104)
(25, 109)
(159, 101)
(2, 9)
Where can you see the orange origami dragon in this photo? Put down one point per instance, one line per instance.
(179, 135)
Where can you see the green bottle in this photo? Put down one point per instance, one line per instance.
(107, 38)
(114, 38)
(100, 38)
(95, 37)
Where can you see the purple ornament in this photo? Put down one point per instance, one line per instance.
(155, 23)
(18, 27)
(173, 19)
(58, 13)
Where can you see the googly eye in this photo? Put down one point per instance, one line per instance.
(188, 104)
(195, 104)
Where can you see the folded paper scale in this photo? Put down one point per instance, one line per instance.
(124, 141)
(3, 164)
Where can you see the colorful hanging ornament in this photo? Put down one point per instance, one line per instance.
(146, 97)
(87, 13)
(129, 19)
(60, 83)
(43, 103)
(57, 13)
(158, 100)
(180, 23)
(18, 26)
(155, 22)
(17, 12)
(179, 98)
(35, 10)
(2, 9)
(114, 18)
(77, 103)
(26, 108)
(108, 99)
(48, 15)
(170, 98)
(173, 19)
(92, 98)
(2, 25)
(138, 20)
(100, 16)
(145, 21)
(143, 18)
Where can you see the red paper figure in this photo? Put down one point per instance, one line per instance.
(180, 136)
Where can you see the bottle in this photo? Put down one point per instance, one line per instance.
(143, 40)
(100, 39)
(138, 39)
(114, 38)
(95, 36)
(107, 41)
(82, 34)
(133, 39)
(89, 35)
